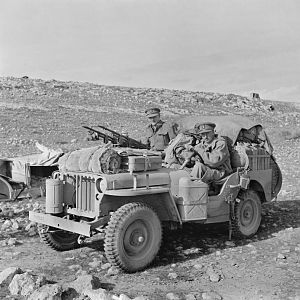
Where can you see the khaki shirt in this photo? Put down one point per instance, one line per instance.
(159, 135)
(215, 154)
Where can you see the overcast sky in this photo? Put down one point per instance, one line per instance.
(226, 46)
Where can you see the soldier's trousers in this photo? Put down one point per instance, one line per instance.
(206, 174)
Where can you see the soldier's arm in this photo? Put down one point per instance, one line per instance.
(146, 141)
(173, 131)
(217, 156)
(146, 137)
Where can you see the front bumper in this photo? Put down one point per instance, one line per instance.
(65, 224)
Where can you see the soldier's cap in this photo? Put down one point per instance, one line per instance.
(204, 127)
(152, 112)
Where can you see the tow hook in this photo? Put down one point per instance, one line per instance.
(81, 239)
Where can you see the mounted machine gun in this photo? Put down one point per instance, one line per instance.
(101, 132)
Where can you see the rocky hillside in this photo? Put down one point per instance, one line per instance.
(53, 112)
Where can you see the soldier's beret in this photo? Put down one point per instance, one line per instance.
(204, 127)
(152, 112)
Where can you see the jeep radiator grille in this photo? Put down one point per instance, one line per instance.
(85, 193)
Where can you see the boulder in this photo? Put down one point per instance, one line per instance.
(84, 282)
(7, 275)
(99, 294)
(47, 292)
(24, 284)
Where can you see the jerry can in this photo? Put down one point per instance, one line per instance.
(193, 197)
(54, 196)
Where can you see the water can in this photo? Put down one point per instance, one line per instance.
(193, 197)
(54, 196)
(193, 191)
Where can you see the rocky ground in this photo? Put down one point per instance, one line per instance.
(196, 262)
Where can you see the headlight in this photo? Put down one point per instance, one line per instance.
(101, 185)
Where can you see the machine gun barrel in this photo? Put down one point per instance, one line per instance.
(116, 137)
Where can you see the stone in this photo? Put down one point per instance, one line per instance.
(47, 292)
(124, 297)
(281, 256)
(230, 244)
(32, 231)
(29, 225)
(198, 266)
(12, 242)
(81, 272)
(24, 284)
(74, 267)
(191, 297)
(172, 275)
(214, 277)
(106, 266)
(211, 296)
(113, 271)
(172, 296)
(7, 224)
(7, 275)
(99, 294)
(84, 282)
(95, 264)
(70, 258)
(15, 225)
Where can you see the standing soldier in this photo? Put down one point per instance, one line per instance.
(158, 132)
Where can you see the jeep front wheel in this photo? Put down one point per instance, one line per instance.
(247, 215)
(133, 237)
(59, 240)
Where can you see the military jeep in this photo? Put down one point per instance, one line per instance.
(130, 206)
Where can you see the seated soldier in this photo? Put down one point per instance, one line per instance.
(177, 156)
(212, 155)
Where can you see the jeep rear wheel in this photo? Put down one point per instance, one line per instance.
(247, 215)
(133, 237)
(58, 239)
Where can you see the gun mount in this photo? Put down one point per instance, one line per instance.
(108, 135)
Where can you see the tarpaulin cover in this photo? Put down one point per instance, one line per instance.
(47, 157)
(20, 166)
(230, 126)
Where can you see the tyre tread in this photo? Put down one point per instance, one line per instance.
(48, 240)
(235, 223)
(114, 225)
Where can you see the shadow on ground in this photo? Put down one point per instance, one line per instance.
(196, 240)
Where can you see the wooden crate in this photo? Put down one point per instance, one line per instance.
(140, 163)
(259, 159)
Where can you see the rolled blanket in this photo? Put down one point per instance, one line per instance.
(105, 160)
(84, 160)
(100, 159)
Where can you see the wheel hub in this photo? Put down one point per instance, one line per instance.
(247, 214)
(136, 238)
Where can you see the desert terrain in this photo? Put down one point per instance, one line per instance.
(196, 262)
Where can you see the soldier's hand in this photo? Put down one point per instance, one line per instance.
(189, 147)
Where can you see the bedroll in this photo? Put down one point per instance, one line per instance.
(100, 159)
